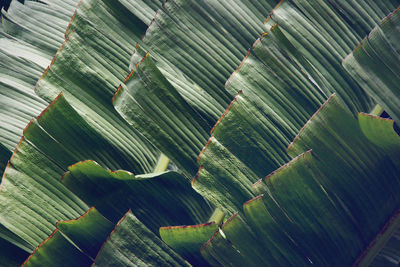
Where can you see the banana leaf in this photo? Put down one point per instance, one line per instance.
(33, 197)
(374, 63)
(27, 46)
(333, 129)
(330, 200)
(31, 34)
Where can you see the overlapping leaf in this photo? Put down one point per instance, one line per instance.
(132, 244)
(30, 34)
(197, 45)
(92, 240)
(150, 103)
(283, 84)
(310, 77)
(157, 200)
(330, 201)
(33, 198)
(375, 64)
(88, 68)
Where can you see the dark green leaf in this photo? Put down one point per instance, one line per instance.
(157, 199)
(220, 250)
(132, 244)
(336, 140)
(198, 44)
(321, 33)
(88, 232)
(88, 68)
(153, 106)
(375, 64)
(32, 197)
(187, 240)
(222, 178)
(271, 235)
(299, 203)
(57, 250)
(243, 239)
(381, 132)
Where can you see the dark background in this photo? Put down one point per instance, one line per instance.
(5, 4)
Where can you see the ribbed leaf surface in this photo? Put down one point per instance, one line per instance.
(152, 105)
(156, 199)
(187, 240)
(222, 178)
(322, 33)
(132, 244)
(32, 197)
(38, 24)
(237, 231)
(197, 45)
(75, 242)
(30, 34)
(57, 250)
(88, 68)
(333, 200)
(375, 64)
(88, 232)
(281, 84)
(343, 194)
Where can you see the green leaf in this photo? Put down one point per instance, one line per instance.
(300, 205)
(276, 108)
(88, 69)
(271, 235)
(324, 36)
(32, 198)
(222, 178)
(363, 15)
(153, 106)
(380, 131)
(244, 131)
(157, 199)
(88, 231)
(54, 129)
(187, 240)
(93, 62)
(132, 244)
(26, 48)
(75, 242)
(57, 250)
(209, 39)
(338, 199)
(220, 250)
(273, 77)
(336, 140)
(375, 64)
(38, 24)
(143, 9)
(65, 7)
(242, 238)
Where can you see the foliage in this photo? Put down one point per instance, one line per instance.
(331, 175)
